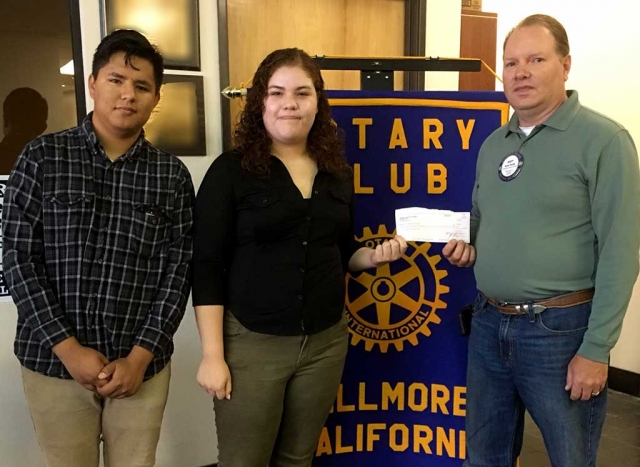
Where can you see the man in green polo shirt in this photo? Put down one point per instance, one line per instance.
(554, 244)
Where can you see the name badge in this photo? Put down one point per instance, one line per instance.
(510, 167)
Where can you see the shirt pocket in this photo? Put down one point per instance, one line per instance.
(261, 200)
(150, 229)
(67, 217)
(264, 217)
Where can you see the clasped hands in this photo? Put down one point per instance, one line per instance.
(116, 380)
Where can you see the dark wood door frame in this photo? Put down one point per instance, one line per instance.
(78, 66)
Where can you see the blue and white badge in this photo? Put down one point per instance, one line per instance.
(510, 166)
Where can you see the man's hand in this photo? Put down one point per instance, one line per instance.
(460, 253)
(125, 375)
(83, 363)
(214, 377)
(585, 378)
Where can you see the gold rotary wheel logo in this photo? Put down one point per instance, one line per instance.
(399, 301)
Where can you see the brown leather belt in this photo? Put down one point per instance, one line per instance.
(561, 301)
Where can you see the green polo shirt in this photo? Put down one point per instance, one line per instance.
(569, 220)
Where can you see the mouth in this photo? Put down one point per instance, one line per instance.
(126, 110)
(522, 89)
(289, 117)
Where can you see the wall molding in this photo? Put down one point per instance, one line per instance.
(624, 381)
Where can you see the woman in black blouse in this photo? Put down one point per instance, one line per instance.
(273, 241)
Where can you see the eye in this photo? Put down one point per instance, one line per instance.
(114, 80)
(509, 64)
(304, 93)
(538, 60)
(275, 93)
(142, 88)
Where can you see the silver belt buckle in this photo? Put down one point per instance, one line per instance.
(537, 309)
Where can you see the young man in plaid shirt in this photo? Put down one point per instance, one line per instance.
(97, 245)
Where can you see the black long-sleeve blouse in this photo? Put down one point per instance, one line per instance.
(277, 261)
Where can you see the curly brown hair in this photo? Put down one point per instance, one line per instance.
(324, 142)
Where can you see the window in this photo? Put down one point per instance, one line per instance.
(37, 83)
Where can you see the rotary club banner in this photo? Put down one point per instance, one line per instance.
(402, 397)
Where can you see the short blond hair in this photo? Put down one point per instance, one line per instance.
(552, 25)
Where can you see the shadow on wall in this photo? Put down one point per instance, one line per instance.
(25, 114)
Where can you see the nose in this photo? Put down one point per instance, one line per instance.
(127, 91)
(522, 71)
(290, 101)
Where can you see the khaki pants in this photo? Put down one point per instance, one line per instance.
(70, 422)
(282, 392)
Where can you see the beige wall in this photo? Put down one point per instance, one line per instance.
(604, 43)
(442, 40)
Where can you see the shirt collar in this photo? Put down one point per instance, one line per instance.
(560, 119)
(135, 151)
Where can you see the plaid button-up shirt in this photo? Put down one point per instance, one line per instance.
(96, 249)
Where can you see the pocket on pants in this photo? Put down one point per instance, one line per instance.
(478, 305)
(231, 327)
(571, 320)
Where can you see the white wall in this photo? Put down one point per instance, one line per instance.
(604, 44)
(188, 435)
(442, 40)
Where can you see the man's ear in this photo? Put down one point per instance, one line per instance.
(157, 98)
(92, 85)
(566, 64)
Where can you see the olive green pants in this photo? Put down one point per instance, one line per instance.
(282, 391)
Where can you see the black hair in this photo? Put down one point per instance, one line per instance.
(133, 44)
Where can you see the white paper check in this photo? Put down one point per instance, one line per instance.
(433, 225)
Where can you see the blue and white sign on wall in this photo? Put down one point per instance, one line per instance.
(403, 392)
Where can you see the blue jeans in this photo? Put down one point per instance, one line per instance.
(520, 362)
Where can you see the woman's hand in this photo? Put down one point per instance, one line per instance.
(214, 377)
(389, 250)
